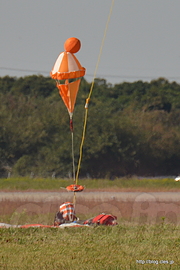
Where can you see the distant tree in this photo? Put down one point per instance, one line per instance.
(132, 128)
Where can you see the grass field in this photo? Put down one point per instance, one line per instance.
(119, 247)
(129, 245)
(134, 183)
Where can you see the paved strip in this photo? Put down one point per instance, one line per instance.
(95, 196)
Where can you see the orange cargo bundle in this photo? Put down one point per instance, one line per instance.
(75, 188)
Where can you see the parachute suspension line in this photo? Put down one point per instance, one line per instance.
(72, 139)
(90, 93)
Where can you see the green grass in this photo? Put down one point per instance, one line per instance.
(26, 183)
(126, 246)
(103, 248)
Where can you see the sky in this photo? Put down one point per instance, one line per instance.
(142, 41)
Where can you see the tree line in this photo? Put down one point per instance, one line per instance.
(132, 128)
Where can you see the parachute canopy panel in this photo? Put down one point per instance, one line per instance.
(67, 66)
(68, 92)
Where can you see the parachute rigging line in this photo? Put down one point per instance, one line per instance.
(72, 148)
(90, 93)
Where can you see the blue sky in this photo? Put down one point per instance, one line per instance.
(142, 42)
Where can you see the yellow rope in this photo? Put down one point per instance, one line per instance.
(74, 199)
(90, 93)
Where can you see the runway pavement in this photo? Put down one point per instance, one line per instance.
(95, 196)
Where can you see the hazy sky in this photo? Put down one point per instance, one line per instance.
(142, 42)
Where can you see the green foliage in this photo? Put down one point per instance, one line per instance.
(133, 128)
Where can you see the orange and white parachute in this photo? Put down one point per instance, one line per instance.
(67, 71)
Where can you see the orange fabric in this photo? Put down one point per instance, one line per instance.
(36, 225)
(69, 75)
(105, 219)
(67, 67)
(67, 210)
(72, 45)
(68, 93)
(75, 188)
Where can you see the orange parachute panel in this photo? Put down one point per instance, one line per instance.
(68, 93)
(36, 225)
(67, 210)
(67, 68)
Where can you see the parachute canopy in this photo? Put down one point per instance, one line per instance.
(67, 67)
(67, 210)
(67, 71)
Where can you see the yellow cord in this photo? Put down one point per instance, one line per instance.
(74, 199)
(90, 93)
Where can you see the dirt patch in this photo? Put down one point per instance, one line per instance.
(141, 207)
(113, 189)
